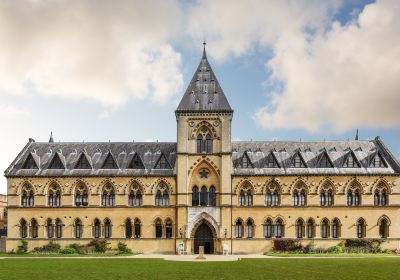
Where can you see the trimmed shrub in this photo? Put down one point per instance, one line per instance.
(68, 251)
(100, 246)
(23, 248)
(363, 245)
(52, 247)
(287, 245)
(79, 248)
(123, 248)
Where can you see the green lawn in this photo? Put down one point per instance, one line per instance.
(88, 269)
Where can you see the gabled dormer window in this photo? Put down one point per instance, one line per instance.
(56, 163)
(162, 163)
(324, 161)
(297, 161)
(271, 162)
(377, 161)
(350, 161)
(246, 162)
(136, 162)
(109, 162)
(83, 162)
(30, 163)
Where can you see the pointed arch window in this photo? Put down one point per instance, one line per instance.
(203, 196)
(268, 228)
(128, 228)
(250, 228)
(135, 198)
(195, 196)
(23, 228)
(213, 197)
(279, 229)
(107, 228)
(81, 195)
(108, 196)
(299, 197)
(361, 228)
(354, 196)
(34, 228)
(335, 228)
(310, 228)
(204, 141)
(158, 228)
(384, 228)
(83, 162)
(27, 197)
(300, 228)
(326, 197)
(137, 228)
(78, 229)
(59, 227)
(96, 228)
(380, 196)
(246, 197)
(239, 229)
(168, 229)
(54, 196)
(50, 228)
(325, 228)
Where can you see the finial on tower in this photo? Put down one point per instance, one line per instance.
(204, 49)
(51, 140)
(356, 135)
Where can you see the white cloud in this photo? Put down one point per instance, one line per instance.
(8, 111)
(340, 79)
(107, 51)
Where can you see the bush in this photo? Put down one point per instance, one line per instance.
(99, 246)
(362, 245)
(123, 248)
(309, 248)
(287, 245)
(52, 247)
(68, 251)
(79, 248)
(23, 248)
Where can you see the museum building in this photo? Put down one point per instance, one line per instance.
(204, 189)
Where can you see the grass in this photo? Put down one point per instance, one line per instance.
(90, 269)
(338, 255)
(55, 255)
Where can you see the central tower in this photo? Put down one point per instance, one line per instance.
(204, 163)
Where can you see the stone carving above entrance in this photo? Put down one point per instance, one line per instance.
(198, 214)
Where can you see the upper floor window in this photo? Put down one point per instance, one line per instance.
(162, 163)
(54, 196)
(380, 196)
(204, 141)
(299, 197)
(297, 161)
(350, 161)
(109, 162)
(108, 196)
(83, 162)
(377, 161)
(245, 162)
(326, 196)
(271, 162)
(56, 162)
(245, 198)
(81, 195)
(27, 197)
(272, 197)
(162, 195)
(135, 197)
(353, 196)
(30, 163)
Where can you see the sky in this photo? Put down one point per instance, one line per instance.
(101, 70)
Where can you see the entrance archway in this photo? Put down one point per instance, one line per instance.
(204, 237)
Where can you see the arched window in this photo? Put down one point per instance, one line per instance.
(275, 198)
(168, 228)
(268, 228)
(137, 228)
(59, 226)
(158, 198)
(34, 228)
(380, 196)
(158, 228)
(108, 196)
(357, 198)
(165, 199)
(249, 198)
(326, 196)
(384, 228)
(335, 228)
(203, 196)
(279, 229)
(322, 198)
(54, 196)
(27, 197)
(162, 195)
(325, 228)
(128, 228)
(349, 198)
(78, 228)
(23, 229)
(330, 198)
(81, 195)
(204, 141)
(303, 198)
(310, 228)
(250, 228)
(239, 229)
(268, 198)
(241, 198)
(96, 228)
(361, 228)
(135, 195)
(50, 228)
(246, 196)
(383, 198)
(376, 198)
(213, 197)
(195, 196)
(107, 228)
(296, 198)
(131, 199)
(300, 228)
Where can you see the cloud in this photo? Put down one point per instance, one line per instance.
(106, 51)
(8, 111)
(339, 79)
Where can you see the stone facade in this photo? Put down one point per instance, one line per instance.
(153, 205)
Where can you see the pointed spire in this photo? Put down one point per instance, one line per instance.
(204, 50)
(51, 140)
(356, 135)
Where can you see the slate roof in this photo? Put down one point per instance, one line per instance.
(311, 152)
(96, 153)
(204, 93)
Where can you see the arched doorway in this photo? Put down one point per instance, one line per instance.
(204, 237)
